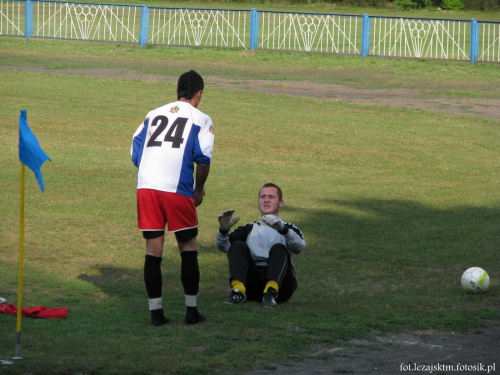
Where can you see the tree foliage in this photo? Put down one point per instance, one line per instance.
(483, 5)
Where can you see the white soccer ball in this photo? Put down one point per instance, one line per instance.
(475, 280)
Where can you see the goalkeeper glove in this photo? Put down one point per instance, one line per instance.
(274, 222)
(226, 220)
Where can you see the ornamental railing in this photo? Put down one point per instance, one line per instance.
(199, 27)
(474, 41)
(324, 33)
(421, 38)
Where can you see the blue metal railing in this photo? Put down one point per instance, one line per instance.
(252, 29)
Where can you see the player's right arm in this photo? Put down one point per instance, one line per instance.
(225, 239)
(138, 141)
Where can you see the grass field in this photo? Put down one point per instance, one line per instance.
(395, 204)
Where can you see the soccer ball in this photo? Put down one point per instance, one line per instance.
(475, 280)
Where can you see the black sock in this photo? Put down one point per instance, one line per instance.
(190, 272)
(152, 276)
(190, 277)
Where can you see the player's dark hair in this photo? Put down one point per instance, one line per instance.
(189, 84)
(280, 193)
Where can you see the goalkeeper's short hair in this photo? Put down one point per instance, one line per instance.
(270, 184)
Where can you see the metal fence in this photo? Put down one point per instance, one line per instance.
(432, 39)
(323, 33)
(86, 22)
(474, 41)
(489, 42)
(199, 27)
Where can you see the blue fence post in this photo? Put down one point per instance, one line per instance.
(365, 36)
(474, 41)
(254, 28)
(143, 38)
(28, 19)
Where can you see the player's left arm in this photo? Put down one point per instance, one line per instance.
(202, 171)
(204, 143)
(203, 157)
(294, 238)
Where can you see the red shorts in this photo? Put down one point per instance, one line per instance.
(157, 208)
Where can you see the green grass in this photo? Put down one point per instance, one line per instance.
(395, 204)
(452, 79)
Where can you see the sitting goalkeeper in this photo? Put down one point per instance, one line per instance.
(261, 254)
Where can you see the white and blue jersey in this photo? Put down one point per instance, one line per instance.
(168, 143)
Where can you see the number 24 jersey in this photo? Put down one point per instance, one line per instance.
(168, 143)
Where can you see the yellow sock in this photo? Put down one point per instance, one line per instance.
(237, 284)
(271, 284)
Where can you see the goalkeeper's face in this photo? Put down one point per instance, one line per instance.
(269, 201)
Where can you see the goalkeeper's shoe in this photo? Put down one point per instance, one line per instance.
(269, 299)
(235, 296)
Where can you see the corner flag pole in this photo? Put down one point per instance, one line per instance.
(31, 156)
(21, 269)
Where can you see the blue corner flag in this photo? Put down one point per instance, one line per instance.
(30, 152)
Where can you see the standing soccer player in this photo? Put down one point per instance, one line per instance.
(165, 148)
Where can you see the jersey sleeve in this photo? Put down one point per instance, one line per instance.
(294, 239)
(205, 144)
(138, 141)
(224, 240)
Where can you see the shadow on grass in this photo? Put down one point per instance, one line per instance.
(356, 234)
(114, 281)
(366, 260)
(125, 287)
(122, 287)
(399, 231)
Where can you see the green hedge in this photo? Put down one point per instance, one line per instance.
(483, 5)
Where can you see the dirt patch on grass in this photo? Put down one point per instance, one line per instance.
(427, 352)
(416, 99)
(428, 100)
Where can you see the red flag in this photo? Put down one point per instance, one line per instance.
(36, 312)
